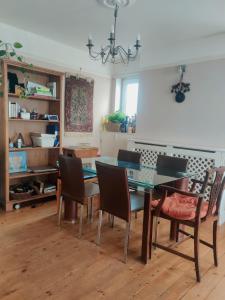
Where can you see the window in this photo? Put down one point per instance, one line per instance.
(126, 95)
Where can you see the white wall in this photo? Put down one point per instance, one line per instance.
(199, 121)
(182, 52)
(48, 53)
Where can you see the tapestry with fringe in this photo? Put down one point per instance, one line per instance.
(78, 104)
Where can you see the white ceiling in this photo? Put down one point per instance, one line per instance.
(161, 23)
(158, 21)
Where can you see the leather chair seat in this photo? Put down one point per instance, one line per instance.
(136, 201)
(91, 189)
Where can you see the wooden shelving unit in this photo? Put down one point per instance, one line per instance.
(35, 197)
(29, 174)
(43, 98)
(33, 149)
(9, 127)
(38, 121)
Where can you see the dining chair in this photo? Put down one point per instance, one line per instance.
(59, 182)
(87, 177)
(129, 156)
(190, 209)
(168, 165)
(115, 198)
(74, 188)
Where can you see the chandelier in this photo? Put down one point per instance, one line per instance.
(114, 53)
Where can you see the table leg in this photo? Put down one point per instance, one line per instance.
(146, 227)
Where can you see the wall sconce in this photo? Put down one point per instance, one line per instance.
(180, 88)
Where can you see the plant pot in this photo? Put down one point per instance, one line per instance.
(113, 127)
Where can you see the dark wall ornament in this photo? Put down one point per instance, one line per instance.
(180, 88)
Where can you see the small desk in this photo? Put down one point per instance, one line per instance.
(81, 152)
(143, 178)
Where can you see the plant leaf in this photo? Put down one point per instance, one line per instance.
(22, 70)
(2, 52)
(12, 53)
(1, 94)
(20, 58)
(17, 45)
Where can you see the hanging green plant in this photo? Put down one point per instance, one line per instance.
(9, 51)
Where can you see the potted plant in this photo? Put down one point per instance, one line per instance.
(114, 121)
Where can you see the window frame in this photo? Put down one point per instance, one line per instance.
(124, 84)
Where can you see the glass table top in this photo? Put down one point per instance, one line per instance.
(139, 175)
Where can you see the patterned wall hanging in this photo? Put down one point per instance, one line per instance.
(78, 104)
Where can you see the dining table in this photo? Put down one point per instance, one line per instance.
(142, 178)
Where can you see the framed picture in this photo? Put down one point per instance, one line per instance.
(53, 118)
(17, 162)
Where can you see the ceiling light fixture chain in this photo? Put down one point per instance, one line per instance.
(113, 53)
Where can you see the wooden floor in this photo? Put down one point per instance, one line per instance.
(40, 261)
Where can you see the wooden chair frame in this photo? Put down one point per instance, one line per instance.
(217, 188)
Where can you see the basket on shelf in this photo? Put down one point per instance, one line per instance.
(113, 127)
(20, 196)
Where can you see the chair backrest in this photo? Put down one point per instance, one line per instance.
(172, 163)
(217, 186)
(129, 156)
(72, 178)
(69, 152)
(114, 191)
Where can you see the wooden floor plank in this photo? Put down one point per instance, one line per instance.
(38, 260)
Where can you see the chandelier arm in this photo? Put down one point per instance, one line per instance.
(106, 48)
(123, 50)
(94, 54)
(106, 59)
(133, 56)
(121, 56)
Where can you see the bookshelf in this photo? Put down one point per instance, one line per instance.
(10, 127)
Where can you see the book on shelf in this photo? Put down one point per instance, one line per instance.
(14, 109)
(36, 89)
(39, 185)
(49, 188)
(41, 169)
(52, 87)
